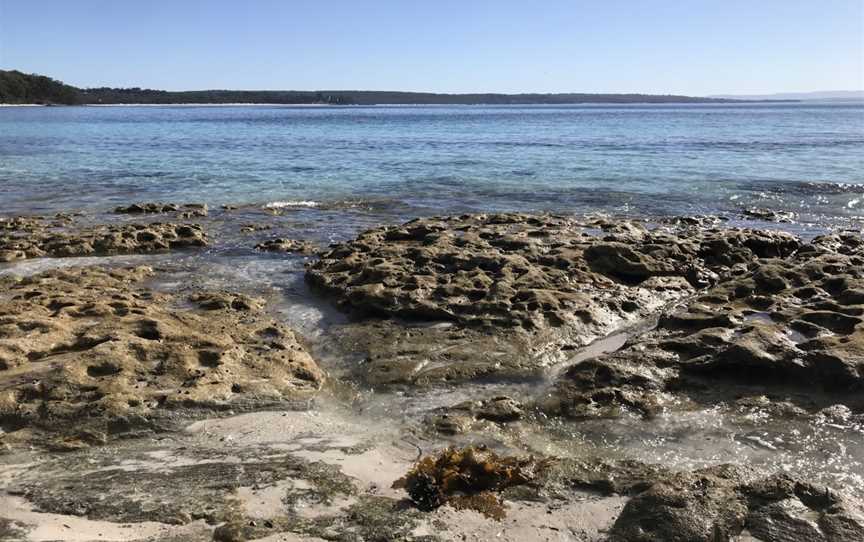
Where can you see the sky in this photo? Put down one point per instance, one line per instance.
(692, 47)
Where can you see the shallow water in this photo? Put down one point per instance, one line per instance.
(825, 451)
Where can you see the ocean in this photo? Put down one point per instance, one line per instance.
(400, 162)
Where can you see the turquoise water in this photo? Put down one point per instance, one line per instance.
(654, 160)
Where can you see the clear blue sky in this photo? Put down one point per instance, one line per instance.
(692, 47)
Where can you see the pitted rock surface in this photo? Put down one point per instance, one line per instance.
(796, 321)
(724, 502)
(86, 348)
(542, 284)
(720, 503)
(27, 238)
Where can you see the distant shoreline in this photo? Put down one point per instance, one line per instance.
(205, 104)
(317, 105)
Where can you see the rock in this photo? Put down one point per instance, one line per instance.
(769, 215)
(231, 531)
(451, 423)
(703, 221)
(603, 476)
(142, 208)
(462, 417)
(601, 388)
(287, 245)
(12, 255)
(100, 240)
(191, 210)
(619, 260)
(499, 409)
(212, 301)
(187, 210)
(703, 506)
(250, 228)
(527, 287)
(94, 352)
(188, 483)
(718, 503)
(789, 322)
(788, 519)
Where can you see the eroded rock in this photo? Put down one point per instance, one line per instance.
(86, 352)
(528, 287)
(36, 240)
(796, 321)
(719, 503)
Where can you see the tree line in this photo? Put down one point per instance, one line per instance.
(21, 88)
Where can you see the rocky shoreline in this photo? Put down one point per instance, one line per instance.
(122, 388)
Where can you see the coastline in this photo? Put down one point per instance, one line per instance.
(467, 105)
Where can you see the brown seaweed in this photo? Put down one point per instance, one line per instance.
(468, 478)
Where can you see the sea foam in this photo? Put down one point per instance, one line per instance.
(283, 204)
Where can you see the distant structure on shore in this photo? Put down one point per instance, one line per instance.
(20, 88)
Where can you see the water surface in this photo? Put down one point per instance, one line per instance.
(633, 159)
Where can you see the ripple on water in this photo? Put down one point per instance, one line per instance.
(815, 448)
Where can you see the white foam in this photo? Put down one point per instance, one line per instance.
(283, 204)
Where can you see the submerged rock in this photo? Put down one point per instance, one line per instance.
(769, 215)
(187, 210)
(142, 208)
(462, 417)
(287, 245)
(252, 227)
(90, 349)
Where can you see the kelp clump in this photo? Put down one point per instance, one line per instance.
(468, 478)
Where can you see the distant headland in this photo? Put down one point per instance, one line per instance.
(21, 88)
